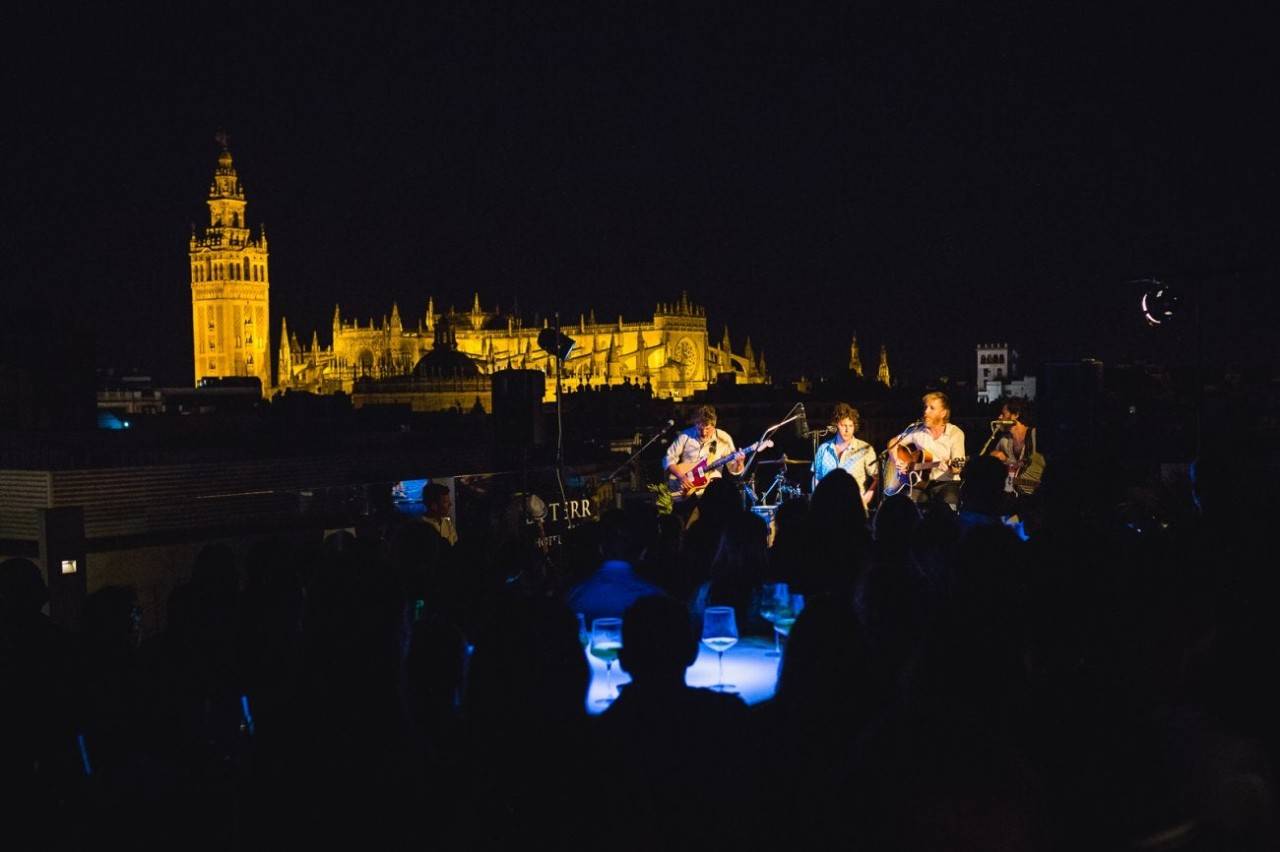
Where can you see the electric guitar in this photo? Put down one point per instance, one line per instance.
(691, 478)
(916, 463)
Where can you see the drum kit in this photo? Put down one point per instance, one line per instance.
(779, 489)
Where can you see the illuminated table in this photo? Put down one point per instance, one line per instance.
(746, 666)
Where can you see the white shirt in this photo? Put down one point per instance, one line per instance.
(687, 447)
(444, 526)
(949, 445)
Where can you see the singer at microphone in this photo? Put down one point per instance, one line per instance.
(1015, 444)
(846, 452)
(932, 447)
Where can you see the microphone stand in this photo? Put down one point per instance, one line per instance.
(995, 430)
(637, 453)
(791, 415)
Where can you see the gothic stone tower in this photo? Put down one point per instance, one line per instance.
(229, 286)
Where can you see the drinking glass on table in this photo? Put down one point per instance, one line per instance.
(775, 601)
(720, 633)
(786, 615)
(606, 641)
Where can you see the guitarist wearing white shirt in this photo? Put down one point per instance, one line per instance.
(701, 441)
(935, 445)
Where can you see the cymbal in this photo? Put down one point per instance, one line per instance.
(784, 460)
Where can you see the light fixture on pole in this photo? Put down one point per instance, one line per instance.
(1162, 306)
(558, 346)
(554, 343)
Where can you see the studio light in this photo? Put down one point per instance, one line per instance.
(555, 343)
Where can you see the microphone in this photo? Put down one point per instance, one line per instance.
(1002, 424)
(666, 426)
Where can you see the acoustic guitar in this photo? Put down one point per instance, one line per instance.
(682, 487)
(916, 463)
(1024, 476)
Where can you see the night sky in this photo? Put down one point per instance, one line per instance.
(926, 177)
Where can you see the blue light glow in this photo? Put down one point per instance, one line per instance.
(746, 666)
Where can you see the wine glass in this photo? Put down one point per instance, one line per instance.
(606, 640)
(774, 599)
(787, 615)
(720, 633)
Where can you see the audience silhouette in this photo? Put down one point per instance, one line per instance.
(1105, 681)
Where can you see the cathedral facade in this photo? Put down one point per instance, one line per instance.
(671, 352)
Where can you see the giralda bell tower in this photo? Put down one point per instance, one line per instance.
(229, 286)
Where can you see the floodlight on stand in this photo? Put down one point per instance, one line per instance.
(555, 343)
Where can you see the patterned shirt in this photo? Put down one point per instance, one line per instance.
(858, 459)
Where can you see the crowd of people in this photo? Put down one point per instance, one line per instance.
(950, 684)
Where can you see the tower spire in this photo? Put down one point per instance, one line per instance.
(230, 305)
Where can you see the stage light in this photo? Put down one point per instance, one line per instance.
(1159, 303)
(555, 343)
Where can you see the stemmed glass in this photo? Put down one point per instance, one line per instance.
(786, 615)
(720, 633)
(774, 602)
(606, 640)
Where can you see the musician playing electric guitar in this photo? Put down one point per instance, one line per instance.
(701, 441)
(934, 444)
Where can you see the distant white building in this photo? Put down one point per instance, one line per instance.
(996, 370)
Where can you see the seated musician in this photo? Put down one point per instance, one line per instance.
(1015, 445)
(936, 439)
(701, 441)
(846, 452)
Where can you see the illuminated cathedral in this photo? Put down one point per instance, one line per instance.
(671, 353)
(438, 358)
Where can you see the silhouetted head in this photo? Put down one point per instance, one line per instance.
(895, 520)
(719, 501)
(658, 642)
(22, 589)
(626, 534)
(837, 505)
(437, 500)
(982, 488)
